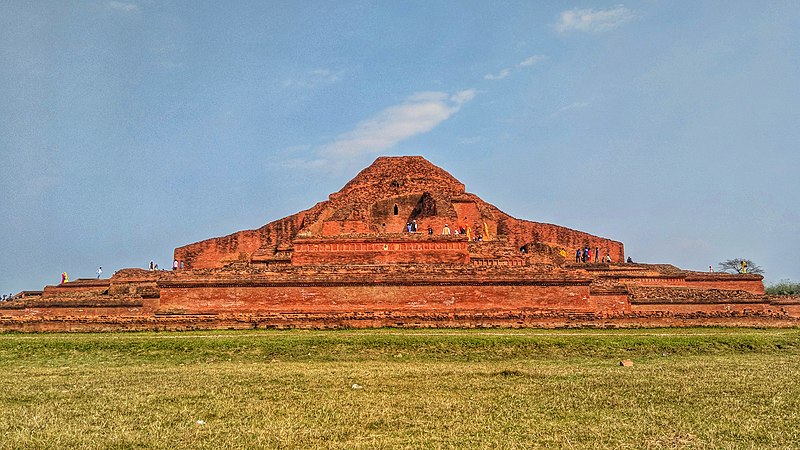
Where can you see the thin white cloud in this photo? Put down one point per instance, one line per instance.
(168, 56)
(315, 78)
(571, 107)
(502, 74)
(527, 62)
(300, 163)
(471, 140)
(121, 6)
(461, 97)
(593, 21)
(418, 114)
(530, 61)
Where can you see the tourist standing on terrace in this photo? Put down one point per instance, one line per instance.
(597, 254)
(99, 272)
(578, 255)
(175, 265)
(446, 229)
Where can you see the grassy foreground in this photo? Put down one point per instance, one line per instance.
(689, 388)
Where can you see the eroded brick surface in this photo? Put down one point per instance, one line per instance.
(382, 199)
(349, 261)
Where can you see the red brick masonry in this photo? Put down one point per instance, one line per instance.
(348, 262)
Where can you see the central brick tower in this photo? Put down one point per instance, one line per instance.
(368, 220)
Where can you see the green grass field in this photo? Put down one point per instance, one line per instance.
(497, 388)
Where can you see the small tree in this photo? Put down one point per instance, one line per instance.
(740, 265)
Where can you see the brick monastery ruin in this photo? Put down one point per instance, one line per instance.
(351, 262)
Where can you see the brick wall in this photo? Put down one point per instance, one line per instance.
(722, 281)
(749, 283)
(697, 307)
(189, 299)
(408, 249)
(68, 311)
(538, 319)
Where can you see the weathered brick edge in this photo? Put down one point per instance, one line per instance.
(522, 319)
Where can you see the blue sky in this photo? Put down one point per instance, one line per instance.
(128, 128)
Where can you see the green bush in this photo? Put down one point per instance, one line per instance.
(783, 287)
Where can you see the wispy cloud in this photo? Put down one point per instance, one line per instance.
(571, 107)
(471, 140)
(418, 114)
(593, 21)
(168, 56)
(502, 74)
(122, 7)
(314, 78)
(527, 62)
(530, 61)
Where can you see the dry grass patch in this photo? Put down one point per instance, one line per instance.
(706, 388)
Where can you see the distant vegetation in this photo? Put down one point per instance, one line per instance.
(783, 287)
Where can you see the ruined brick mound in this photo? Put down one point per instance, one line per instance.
(351, 261)
(384, 199)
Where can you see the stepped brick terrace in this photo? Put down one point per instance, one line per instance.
(377, 253)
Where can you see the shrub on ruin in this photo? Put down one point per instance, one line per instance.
(783, 287)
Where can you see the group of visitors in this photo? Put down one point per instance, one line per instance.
(462, 229)
(465, 229)
(6, 297)
(65, 275)
(176, 265)
(585, 255)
